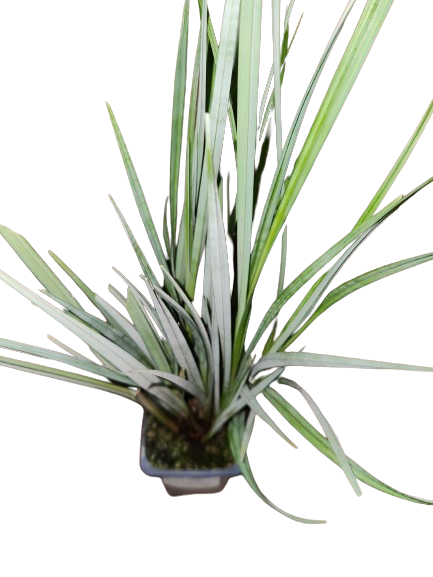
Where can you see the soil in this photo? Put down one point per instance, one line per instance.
(167, 450)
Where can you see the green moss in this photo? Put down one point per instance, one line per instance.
(166, 450)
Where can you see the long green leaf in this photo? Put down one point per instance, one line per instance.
(396, 169)
(177, 340)
(236, 432)
(181, 383)
(123, 361)
(322, 444)
(165, 231)
(139, 197)
(80, 284)
(215, 51)
(348, 70)
(177, 120)
(252, 402)
(330, 433)
(145, 302)
(119, 337)
(216, 352)
(194, 155)
(324, 259)
(359, 282)
(68, 349)
(274, 360)
(249, 58)
(239, 403)
(68, 377)
(219, 265)
(195, 316)
(121, 323)
(137, 396)
(271, 102)
(249, 426)
(223, 77)
(278, 183)
(315, 293)
(152, 314)
(191, 330)
(147, 331)
(117, 295)
(79, 363)
(138, 252)
(37, 265)
(276, 8)
(200, 190)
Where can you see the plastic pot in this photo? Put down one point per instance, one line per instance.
(186, 482)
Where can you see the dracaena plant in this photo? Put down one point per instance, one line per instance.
(183, 353)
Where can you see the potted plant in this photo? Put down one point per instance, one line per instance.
(181, 350)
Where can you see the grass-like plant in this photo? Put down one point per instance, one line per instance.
(189, 363)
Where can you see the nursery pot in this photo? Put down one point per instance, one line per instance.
(186, 482)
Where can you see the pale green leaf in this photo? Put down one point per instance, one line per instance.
(252, 402)
(37, 265)
(122, 360)
(324, 259)
(292, 359)
(353, 59)
(147, 331)
(216, 348)
(359, 282)
(80, 284)
(396, 169)
(79, 363)
(315, 293)
(271, 102)
(223, 77)
(117, 295)
(239, 403)
(145, 302)
(276, 8)
(249, 426)
(68, 377)
(122, 324)
(139, 253)
(200, 190)
(191, 330)
(236, 431)
(195, 316)
(329, 432)
(248, 74)
(322, 444)
(115, 335)
(177, 120)
(219, 266)
(181, 383)
(67, 348)
(137, 190)
(175, 337)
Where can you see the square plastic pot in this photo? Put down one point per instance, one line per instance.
(186, 482)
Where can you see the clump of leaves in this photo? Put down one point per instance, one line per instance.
(189, 364)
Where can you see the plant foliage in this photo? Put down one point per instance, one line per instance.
(181, 353)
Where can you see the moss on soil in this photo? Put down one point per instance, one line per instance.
(166, 450)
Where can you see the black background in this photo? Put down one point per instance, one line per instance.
(77, 447)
